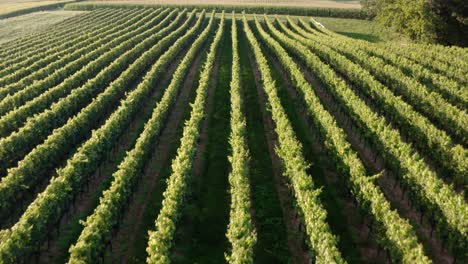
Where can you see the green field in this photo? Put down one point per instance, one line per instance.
(169, 135)
(360, 29)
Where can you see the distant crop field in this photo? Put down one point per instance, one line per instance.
(169, 135)
(8, 6)
(305, 3)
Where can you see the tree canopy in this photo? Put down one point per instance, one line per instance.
(442, 21)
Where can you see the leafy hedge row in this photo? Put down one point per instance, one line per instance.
(98, 226)
(455, 57)
(161, 240)
(240, 233)
(16, 109)
(290, 10)
(434, 141)
(36, 128)
(448, 208)
(322, 243)
(79, 52)
(25, 48)
(37, 38)
(419, 54)
(48, 154)
(431, 104)
(64, 50)
(45, 212)
(393, 232)
(451, 90)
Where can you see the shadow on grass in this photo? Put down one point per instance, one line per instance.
(362, 36)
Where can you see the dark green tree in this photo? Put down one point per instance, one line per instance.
(441, 21)
(412, 18)
(452, 27)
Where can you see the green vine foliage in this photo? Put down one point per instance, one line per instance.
(161, 240)
(241, 233)
(31, 229)
(431, 192)
(347, 59)
(322, 243)
(393, 233)
(98, 226)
